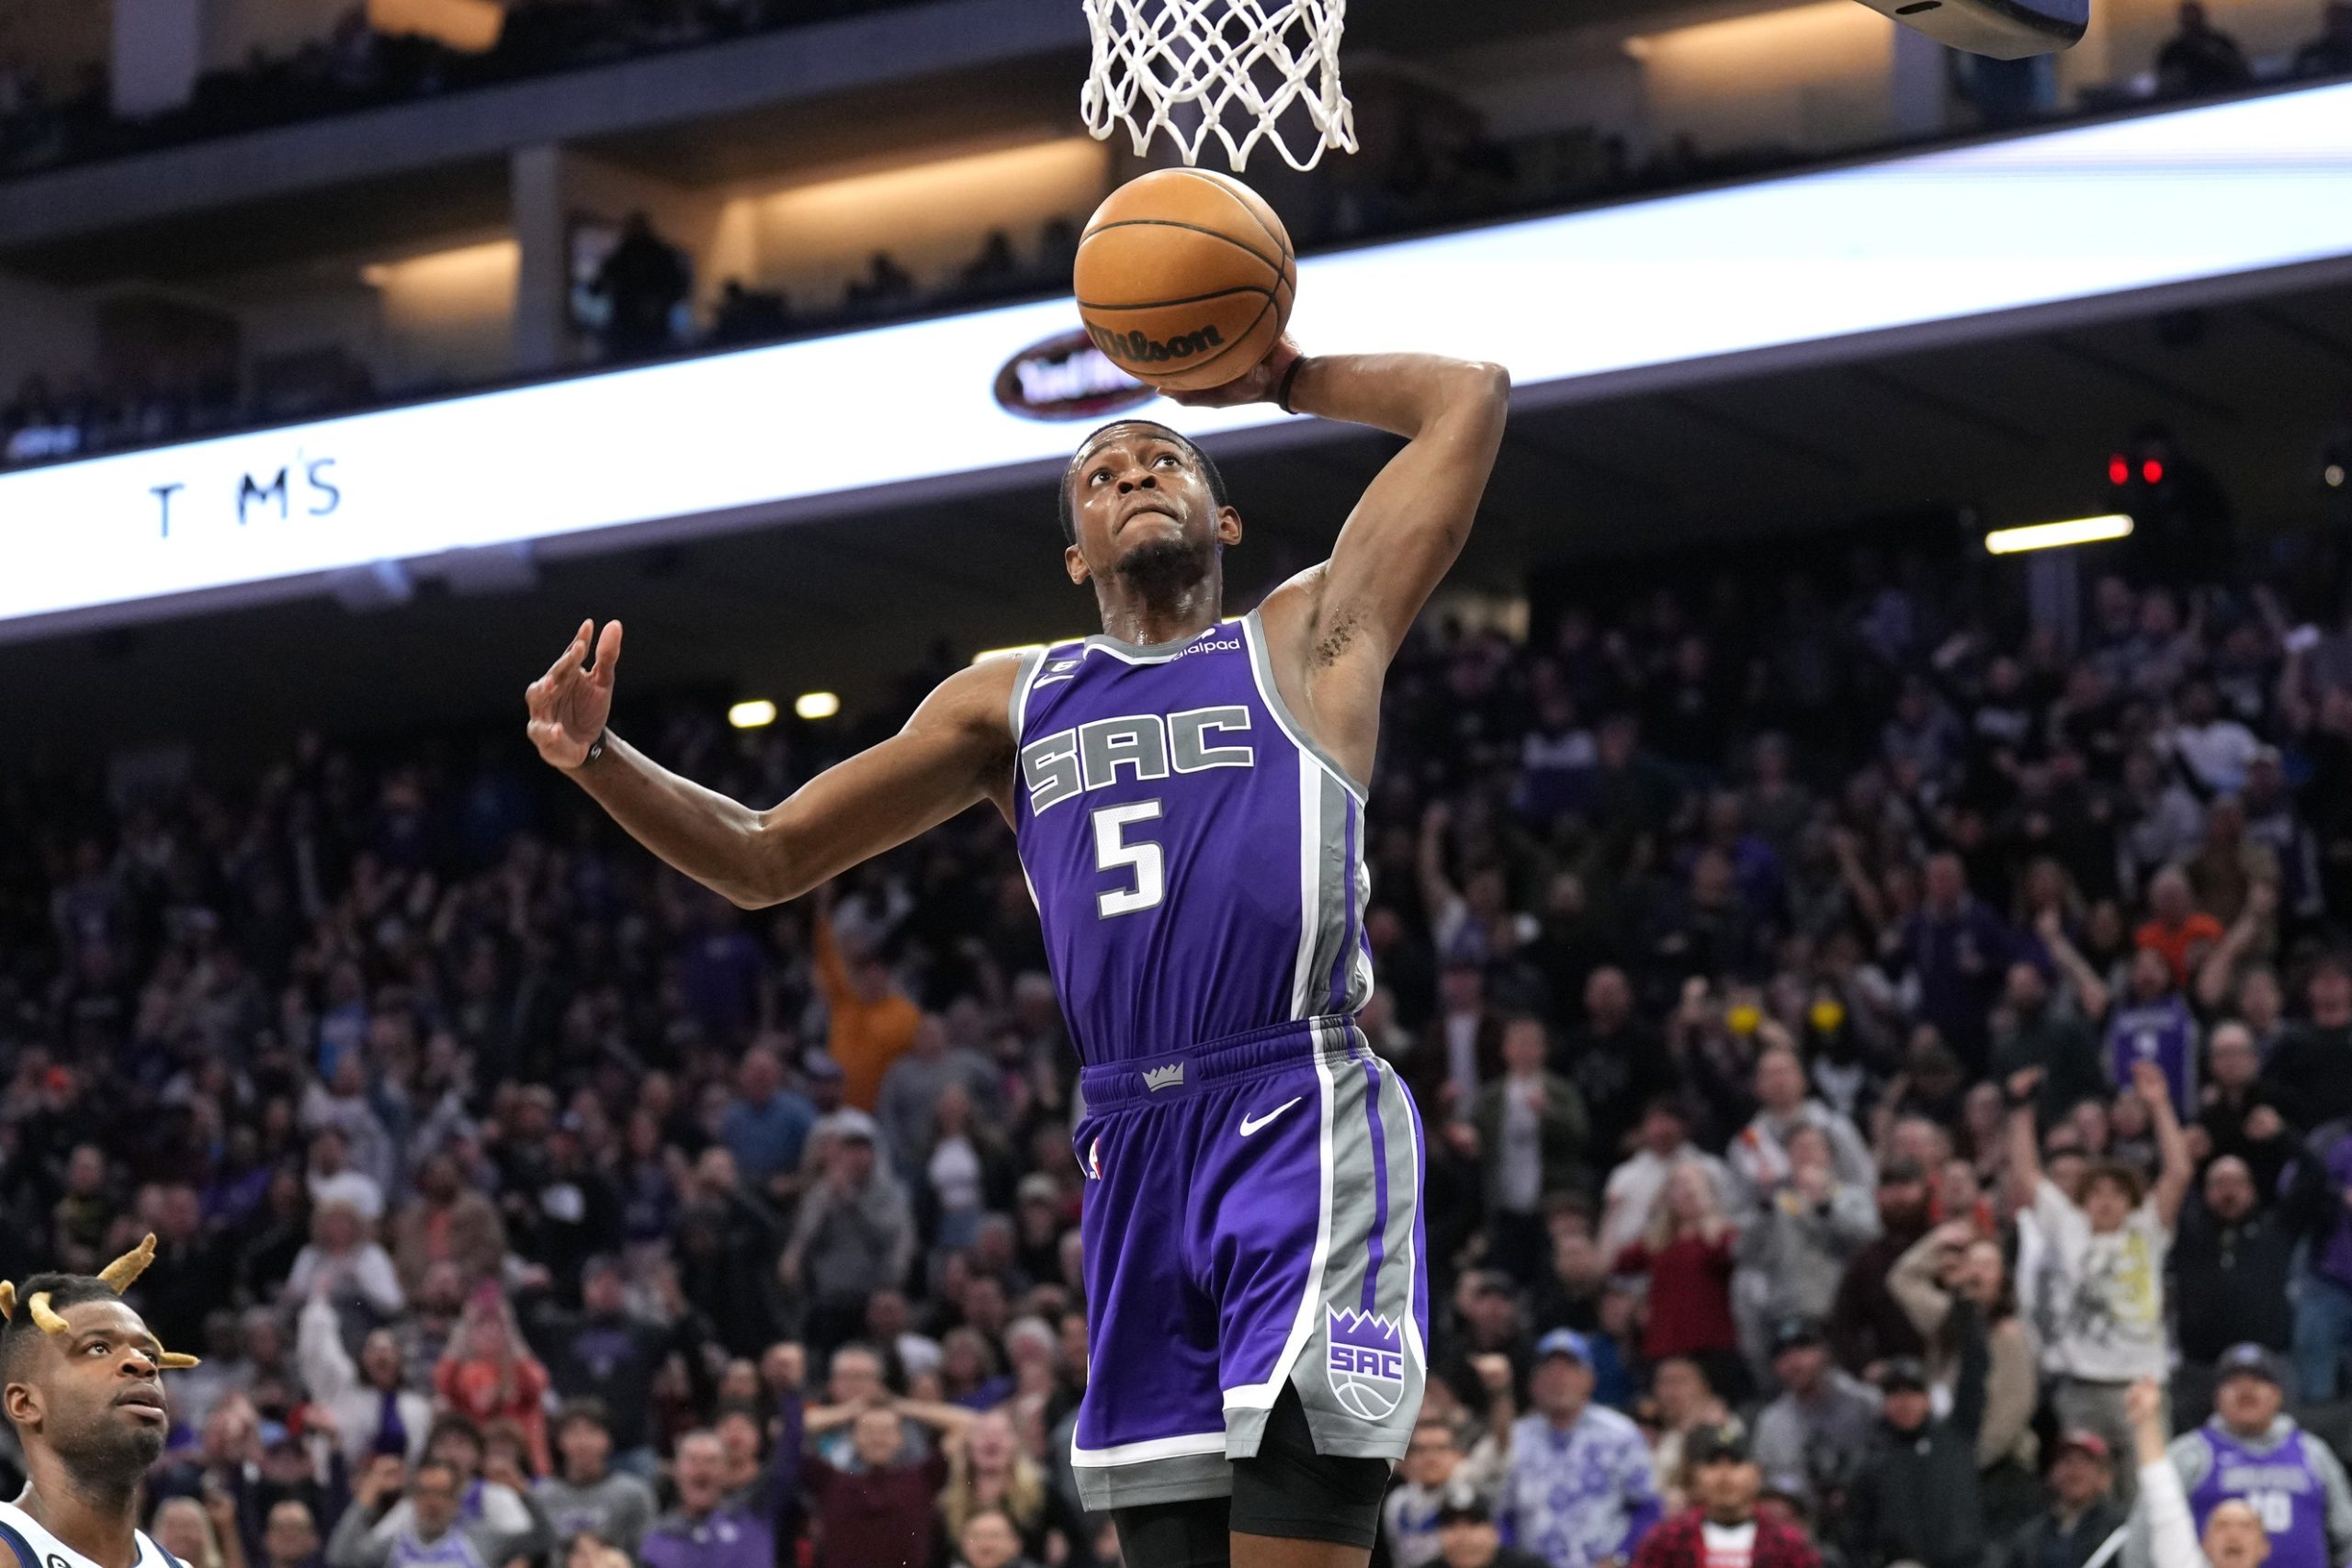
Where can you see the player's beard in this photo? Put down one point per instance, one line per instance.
(1162, 570)
(105, 1457)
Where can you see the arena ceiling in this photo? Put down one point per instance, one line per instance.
(2011, 429)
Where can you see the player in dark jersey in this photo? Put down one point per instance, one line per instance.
(83, 1390)
(1188, 797)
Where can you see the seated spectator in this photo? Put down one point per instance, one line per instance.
(1576, 1490)
(2232, 1266)
(289, 1537)
(853, 1231)
(705, 1530)
(1634, 1187)
(1795, 1247)
(345, 1265)
(2331, 52)
(2252, 1451)
(1867, 1324)
(1532, 1135)
(1915, 1499)
(1722, 1525)
(1958, 1259)
(2200, 57)
(2152, 1023)
(426, 1529)
(2236, 1115)
(1686, 1252)
(883, 1511)
(2083, 1514)
(1811, 1438)
(1760, 1157)
(2319, 1205)
(1434, 1472)
(372, 1409)
(642, 282)
(2311, 1067)
(447, 1222)
(1683, 1402)
(989, 1540)
(988, 1472)
(2234, 1536)
(489, 1374)
(1467, 1538)
(2038, 1028)
(585, 1493)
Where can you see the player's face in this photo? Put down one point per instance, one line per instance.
(1141, 504)
(94, 1396)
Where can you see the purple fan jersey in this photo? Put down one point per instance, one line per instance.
(1254, 1170)
(2278, 1482)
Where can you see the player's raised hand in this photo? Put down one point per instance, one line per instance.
(1257, 385)
(569, 705)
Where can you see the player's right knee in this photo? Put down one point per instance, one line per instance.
(1196, 1533)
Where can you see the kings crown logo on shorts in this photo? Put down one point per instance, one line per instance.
(1367, 1362)
(1169, 1076)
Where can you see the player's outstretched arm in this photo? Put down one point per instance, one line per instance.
(1334, 628)
(956, 751)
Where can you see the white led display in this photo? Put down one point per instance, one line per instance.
(2067, 215)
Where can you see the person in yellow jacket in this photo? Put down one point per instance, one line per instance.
(872, 1021)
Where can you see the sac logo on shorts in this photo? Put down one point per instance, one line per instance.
(1367, 1362)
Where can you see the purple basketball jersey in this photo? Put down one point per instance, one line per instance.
(2278, 1484)
(1196, 861)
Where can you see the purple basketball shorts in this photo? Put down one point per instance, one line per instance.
(1252, 1220)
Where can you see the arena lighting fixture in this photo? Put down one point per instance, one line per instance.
(1800, 267)
(757, 714)
(2333, 476)
(814, 705)
(2052, 536)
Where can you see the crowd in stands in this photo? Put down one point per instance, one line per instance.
(636, 306)
(355, 67)
(1444, 168)
(1886, 1069)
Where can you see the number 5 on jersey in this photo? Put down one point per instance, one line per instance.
(1112, 853)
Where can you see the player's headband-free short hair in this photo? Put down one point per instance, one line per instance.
(1177, 439)
(45, 1294)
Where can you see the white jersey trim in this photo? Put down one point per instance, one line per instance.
(1261, 671)
(56, 1554)
(1148, 1449)
(1261, 1396)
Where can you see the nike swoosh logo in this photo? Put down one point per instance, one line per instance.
(1251, 1123)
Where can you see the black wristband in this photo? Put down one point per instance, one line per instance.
(1281, 393)
(595, 747)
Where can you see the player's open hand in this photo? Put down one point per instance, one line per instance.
(570, 703)
(1257, 385)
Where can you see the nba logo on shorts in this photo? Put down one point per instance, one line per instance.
(1367, 1362)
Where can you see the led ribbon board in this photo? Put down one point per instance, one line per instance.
(2068, 215)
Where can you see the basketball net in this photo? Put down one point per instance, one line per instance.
(1235, 67)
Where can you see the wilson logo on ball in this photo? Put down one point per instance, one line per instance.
(1066, 376)
(1137, 349)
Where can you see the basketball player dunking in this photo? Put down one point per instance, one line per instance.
(84, 1390)
(1188, 797)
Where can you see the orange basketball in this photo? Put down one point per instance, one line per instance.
(1185, 278)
